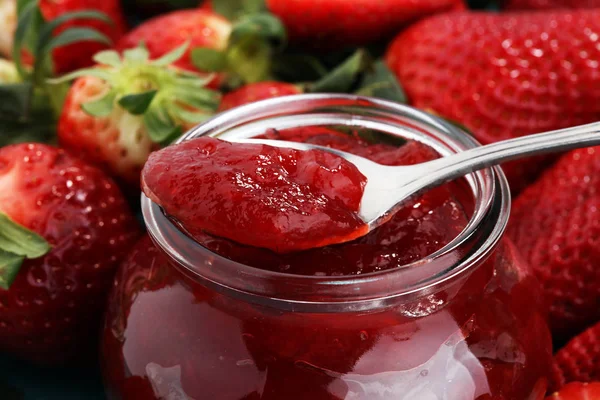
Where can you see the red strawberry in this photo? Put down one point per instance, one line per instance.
(579, 359)
(166, 32)
(578, 391)
(556, 226)
(73, 56)
(255, 92)
(333, 23)
(504, 75)
(52, 311)
(116, 114)
(547, 4)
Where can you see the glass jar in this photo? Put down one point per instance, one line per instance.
(464, 323)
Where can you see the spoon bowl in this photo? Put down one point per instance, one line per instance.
(389, 187)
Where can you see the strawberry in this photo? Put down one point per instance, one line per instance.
(66, 226)
(73, 56)
(503, 75)
(556, 226)
(241, 52)
(257, 91)
(548, 4)
(578, 360)
(577, 391)
(164, 33)
(117, 113)
(330, 24)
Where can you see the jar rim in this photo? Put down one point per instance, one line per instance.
(357, 292)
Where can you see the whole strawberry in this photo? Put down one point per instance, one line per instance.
(257, 91)
(556, 226)
(504, 75)
(548, 4)
(578, 360)
(117, 113)
(73, 56)
(164, 33)
(577, 391)
(65, 227)
(330, 24)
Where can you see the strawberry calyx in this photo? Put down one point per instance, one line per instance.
(17, 243)
(167, 98)
(257, 36)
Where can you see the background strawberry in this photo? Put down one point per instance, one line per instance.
(578, 360)
(547, 4)
(117, 113)
(556, 226)
(73, 56)
(50, 313)
(164, 33)
(257, 91)
(340, 23)
(577, 391)
(503, 75)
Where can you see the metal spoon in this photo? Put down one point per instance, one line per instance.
(389, 186)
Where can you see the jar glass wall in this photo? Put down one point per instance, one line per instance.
(465, 322)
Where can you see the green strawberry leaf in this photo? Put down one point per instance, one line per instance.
(190, 116)
(101, 107)
(10, 264)
(171, 56)
(16, 244)
(250, 60)
(73, 35)
(382, 83)
(108, 57)
(251, 47)
(22, 4)
(28, 21)
(234, 9)
(209, 60)
(95, 72)
(262, 26)
(139, 54)
(46, 31)
(160, 126)
(138, 103)
(19, 240)
(298, 68)
(345, 76)
(199, 98)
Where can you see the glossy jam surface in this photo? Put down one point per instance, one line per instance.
(482, 336)
(263, 196)
(168, 337)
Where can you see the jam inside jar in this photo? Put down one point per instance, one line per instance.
(442, 308)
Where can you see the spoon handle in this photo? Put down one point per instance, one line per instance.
(457, 165)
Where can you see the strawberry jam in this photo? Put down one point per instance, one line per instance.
(232, 321)
(263, 196)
